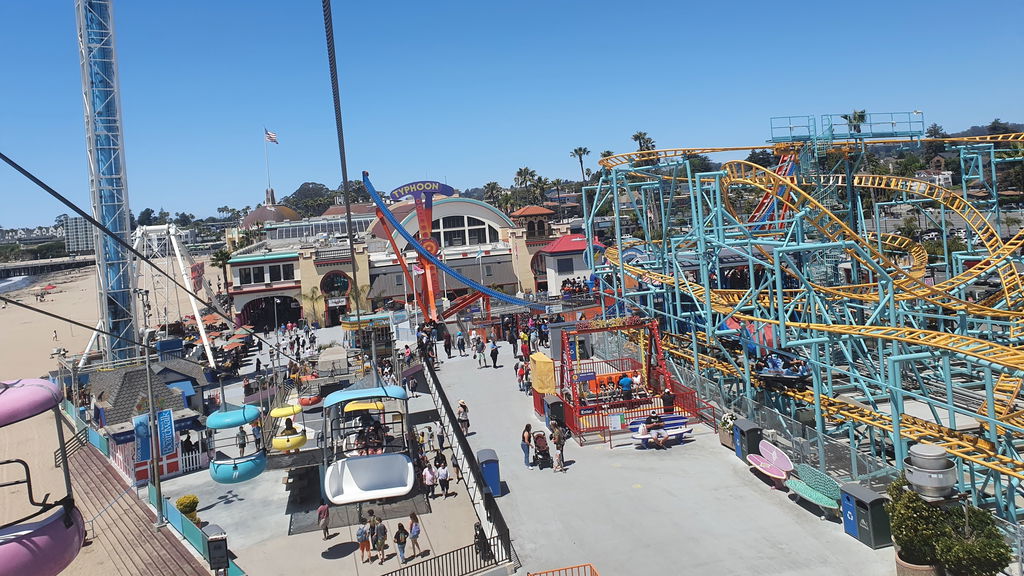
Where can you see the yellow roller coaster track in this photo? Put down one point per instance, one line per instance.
(966, 446)
(839, 144)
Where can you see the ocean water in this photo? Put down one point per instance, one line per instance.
(15, 283)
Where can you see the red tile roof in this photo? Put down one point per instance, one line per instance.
(566, 245)
(532, 211)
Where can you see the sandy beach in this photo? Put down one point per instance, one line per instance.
(26, 345)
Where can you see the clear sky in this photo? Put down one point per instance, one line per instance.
(467, 92)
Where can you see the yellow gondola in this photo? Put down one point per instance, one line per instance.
(286, 411)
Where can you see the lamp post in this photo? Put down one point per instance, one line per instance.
(154, 438)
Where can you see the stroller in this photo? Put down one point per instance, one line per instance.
(542, 454)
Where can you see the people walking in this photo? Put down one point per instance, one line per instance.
(323, 518)
(448, 344)
(429, 480)
(443, 478)
(257, 435)
(240, 440)
(558, 439)
(525, 443)
(494, 353)
(478, 353)
(401, 536)
(460, 343)
(414, 534)
(462, 415)
(363, 533)
(380, 539)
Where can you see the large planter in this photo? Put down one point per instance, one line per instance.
(725, 437)
(904, 568)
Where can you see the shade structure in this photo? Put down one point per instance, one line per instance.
(232, 345)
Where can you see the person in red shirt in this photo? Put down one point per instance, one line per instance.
(323, 519)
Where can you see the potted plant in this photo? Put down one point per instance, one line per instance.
(974, 547)
(917, 529)
(725, 429)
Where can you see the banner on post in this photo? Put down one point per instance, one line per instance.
(142, 444)
(165, 431)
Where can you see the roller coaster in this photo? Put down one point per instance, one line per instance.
(900, 345)
(786, 261)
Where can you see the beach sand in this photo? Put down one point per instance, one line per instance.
(26, 344)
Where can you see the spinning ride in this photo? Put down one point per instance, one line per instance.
(224, 469)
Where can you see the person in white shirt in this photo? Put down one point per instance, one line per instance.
(443, 479)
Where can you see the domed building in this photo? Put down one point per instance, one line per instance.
(269, 211)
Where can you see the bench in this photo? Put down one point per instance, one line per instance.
(675, 427)
(772, 462)
(816, 487)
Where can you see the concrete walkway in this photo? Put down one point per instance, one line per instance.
(693, 509)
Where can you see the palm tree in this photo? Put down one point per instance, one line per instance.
(523, 177)
(220, 259)
(492, 193)
(855, 119)
(579, 153)
(313, 298)
(607, 153)
(643, 141)
(558, 183)
(540, 185)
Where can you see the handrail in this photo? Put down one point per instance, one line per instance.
(74, 444)
(578, 570)
(469, 559)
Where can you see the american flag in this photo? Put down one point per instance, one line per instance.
(270, 136)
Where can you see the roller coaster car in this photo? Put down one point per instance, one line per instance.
(780, 381)
(731, 344)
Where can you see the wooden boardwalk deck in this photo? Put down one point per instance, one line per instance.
(123, 538)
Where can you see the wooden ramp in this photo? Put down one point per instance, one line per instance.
(123, 540)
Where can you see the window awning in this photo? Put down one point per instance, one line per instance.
(185, 386)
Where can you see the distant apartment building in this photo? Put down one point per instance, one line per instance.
(78, 235)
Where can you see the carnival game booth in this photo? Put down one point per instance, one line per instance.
(589, 395)
(44, 536)
(370, 442)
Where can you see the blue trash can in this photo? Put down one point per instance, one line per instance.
(488, 460)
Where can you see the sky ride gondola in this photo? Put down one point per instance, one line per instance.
(47, 540)
(226, 470)
(382, 466)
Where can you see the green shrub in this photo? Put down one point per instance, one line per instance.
(975, 546)
(187, 505)
(916, 526)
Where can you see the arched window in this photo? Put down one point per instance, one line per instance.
(335, 284)
(451, 231)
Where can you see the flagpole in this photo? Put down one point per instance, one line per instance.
(266, 157)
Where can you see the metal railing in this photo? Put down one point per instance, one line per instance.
(488, 513)
(73, 444)
(478, 556)
(579, 570)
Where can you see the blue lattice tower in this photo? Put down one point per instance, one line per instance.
(107, 172)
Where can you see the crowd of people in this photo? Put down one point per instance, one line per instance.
(571, 286)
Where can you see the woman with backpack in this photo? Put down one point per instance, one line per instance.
(363, 539)
(401, 535)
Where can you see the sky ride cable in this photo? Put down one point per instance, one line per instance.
(423, 252)
(106, 231)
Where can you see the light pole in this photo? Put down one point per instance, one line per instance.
(154, 438)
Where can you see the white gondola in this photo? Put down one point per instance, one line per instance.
(378, 467)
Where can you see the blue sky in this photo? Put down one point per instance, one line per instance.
(467, 92)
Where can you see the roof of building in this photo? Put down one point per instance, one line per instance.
(532, 211)
(124, 392)
(566, 244)
(264, 257)
(357, 208)
(269, 213)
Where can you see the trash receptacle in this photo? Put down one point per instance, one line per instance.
(864, 515)
(746, 435)
(216, 547)
(488, 460)
(553, 409)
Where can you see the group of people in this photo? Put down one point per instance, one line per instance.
(574, 286)
(538, 442)
(776, 365)
(372, 535)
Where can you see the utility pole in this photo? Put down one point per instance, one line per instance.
(154, 437)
